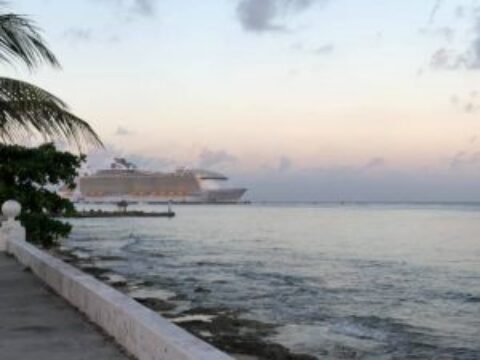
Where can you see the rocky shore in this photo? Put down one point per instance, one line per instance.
(227, 329)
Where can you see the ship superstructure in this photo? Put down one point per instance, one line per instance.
(123, 181)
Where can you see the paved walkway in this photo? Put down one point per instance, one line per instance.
(36, 324)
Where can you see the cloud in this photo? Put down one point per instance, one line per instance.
(475, 51)
(465, 160)
(258, 15)
(459, 11)
(457, 159)
(267, 15)
(350, 184)
(440, 59)
(452, 59)
(324, 49)
(103, 158)
(445, 32)
(293, 72)
(209, 158)
(283, 181)
(449, 59)
(284, 164)
(436, 7)
(121, 131)
(475, 157)
(144, 8)
(468, 104)
(297, 45)
(373, 163)
(469, 107)
(446, 59)
(151, 163)
(79, 34)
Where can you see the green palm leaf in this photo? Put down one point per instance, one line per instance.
(20, 40)
(26, 109)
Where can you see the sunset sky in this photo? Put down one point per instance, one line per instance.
(295, 99)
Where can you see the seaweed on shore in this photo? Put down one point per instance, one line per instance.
(156, 304)
(231, 333)
(223, 328)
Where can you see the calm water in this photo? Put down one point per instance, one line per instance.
(386, 281)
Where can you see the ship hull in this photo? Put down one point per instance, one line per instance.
(227, 196)
(223, 195)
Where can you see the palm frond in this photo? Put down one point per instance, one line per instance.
(20, 40)
(28, 109)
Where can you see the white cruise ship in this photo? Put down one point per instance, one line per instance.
(123, 181)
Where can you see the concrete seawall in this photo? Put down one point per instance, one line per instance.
(142, 332)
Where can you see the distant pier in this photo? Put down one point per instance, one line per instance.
(88, 214)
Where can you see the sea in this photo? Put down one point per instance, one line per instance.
(363, 281)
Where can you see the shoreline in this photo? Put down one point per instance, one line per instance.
(227, 329)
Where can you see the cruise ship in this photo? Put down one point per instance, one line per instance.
(123, 181)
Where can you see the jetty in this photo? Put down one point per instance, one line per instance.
(118, 214)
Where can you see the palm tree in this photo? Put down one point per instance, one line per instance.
(25, 108)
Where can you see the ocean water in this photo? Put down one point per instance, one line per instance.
(353, 281)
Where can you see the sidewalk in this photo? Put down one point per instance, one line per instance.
(36, 324)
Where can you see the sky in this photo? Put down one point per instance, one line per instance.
(310, 100)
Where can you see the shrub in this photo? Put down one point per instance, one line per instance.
(30, 175)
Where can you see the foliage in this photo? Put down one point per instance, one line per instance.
(29, 176)
(20, 40)
(26, 109)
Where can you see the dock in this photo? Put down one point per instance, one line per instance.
(119, 214)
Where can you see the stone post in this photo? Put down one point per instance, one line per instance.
(11, 229)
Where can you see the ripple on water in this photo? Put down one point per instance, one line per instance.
(339, 282)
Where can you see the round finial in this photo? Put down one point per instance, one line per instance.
(11, 209)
